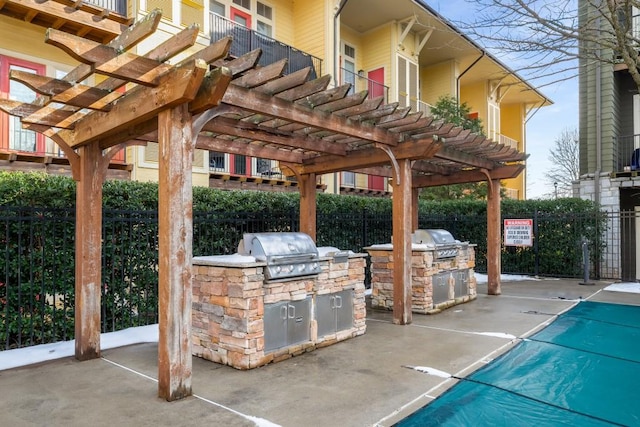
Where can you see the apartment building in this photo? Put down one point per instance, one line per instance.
(401, 51)
(609, 127)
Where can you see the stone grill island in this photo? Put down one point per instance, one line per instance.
(253, 309)
(442, 272)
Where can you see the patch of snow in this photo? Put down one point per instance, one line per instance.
(483, 278)
(261, 422)
(384, 246)
(628, 287)
(497, 335)
(41, 353)
(431, 371)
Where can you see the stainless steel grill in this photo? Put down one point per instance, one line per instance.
(446, 246)
(287, 255)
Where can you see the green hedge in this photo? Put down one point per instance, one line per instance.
(37, 213)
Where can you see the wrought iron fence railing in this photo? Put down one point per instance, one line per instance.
(37, 266)
(245, 40)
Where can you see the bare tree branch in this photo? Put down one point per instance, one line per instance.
(548, 37)
(565, 159)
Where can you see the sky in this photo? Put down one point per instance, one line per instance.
(543, 127)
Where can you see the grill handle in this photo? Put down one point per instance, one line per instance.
(291, 259)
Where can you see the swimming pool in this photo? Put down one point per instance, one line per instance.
(581, 370)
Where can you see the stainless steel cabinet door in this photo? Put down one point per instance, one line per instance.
(334, 312)
(298, 321)
(344, 310)
(275, 325)
(325, 316)
(440, 284)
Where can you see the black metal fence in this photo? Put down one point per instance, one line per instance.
(37, 269)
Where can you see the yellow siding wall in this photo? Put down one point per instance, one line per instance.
(476, 96)
(362, 180)
(283, 21)
(512, 122)
(309, 18)
(512, 125)
(192, 12)
(25, 46)
(437, 81)
(164, 5)
(377, 51)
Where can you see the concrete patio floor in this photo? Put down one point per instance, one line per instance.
(364, 381)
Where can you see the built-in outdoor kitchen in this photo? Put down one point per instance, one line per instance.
(442, 272)
(277, 297)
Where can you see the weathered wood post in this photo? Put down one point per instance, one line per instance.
(493, 238)
(308, 225)
(88, 269)
(402, 223)
(175, 228)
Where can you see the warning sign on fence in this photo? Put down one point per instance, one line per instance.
(518, 232)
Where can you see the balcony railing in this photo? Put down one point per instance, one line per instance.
(245, 40)
(509, 142)
(117, 6)
(424, 108)
(359, 83)
(626, 153)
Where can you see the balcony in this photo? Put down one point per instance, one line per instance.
(424, 108)
(117, 6)
(245, 40)
(509, 142)
(20, 148)
(626, 153)
(359, 83)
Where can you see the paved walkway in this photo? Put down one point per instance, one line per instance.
(364, 381)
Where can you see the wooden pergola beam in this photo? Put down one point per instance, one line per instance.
(463, 158)
(87, 19)
(371, 157)
(244, 129)
(461, 177)
(210, 143)
(260, 103)
(178, 86)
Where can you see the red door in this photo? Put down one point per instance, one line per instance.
(376, 83)
(376, 183)
(240, 17)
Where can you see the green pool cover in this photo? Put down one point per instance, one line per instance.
(581, 370)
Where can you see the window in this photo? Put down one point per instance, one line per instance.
(243, 3)
(217, 161)
(348, 179)
(264, 23)
(493, 121)
(12, 135)
(217, 8)
(407, 83)
(349, 66)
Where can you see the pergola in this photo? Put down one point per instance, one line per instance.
(212, 102)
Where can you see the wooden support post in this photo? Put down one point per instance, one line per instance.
(175, 228)
(402, 223)
(90, 176)
(307, 185)
(493, 238)
(415, 220)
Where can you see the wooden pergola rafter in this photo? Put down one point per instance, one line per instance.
(214, 102)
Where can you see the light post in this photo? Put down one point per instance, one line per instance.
(555, 186)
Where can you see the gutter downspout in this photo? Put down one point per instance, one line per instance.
(463, 73)
(596, 178)
(336, 56)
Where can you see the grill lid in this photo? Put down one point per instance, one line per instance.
(433, 237)
(287, 254)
